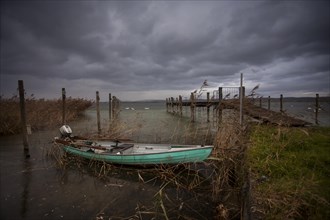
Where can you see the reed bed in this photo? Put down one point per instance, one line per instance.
(41, 113)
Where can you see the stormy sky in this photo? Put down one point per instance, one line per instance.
(156, 49)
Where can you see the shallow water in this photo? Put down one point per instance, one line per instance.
(36, 188)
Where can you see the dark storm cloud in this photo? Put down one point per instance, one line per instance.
(131, 46)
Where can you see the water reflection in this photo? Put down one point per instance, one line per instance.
(26, 180)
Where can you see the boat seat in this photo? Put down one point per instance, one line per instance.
(121, 148)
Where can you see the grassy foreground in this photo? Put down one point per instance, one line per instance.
(290, 168)
(40, 113)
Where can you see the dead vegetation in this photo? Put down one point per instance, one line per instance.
(41, 113)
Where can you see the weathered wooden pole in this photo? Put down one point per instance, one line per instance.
(63, 106)
(268, 102)
(166, 105)
(208, 106)
(172, 105)
(241, 101)
(98, 112)
(110, 110)
(281, 103)
(180, 103)
(260, 102)
(177, 105)
(23, 118)
(317, 106)
(219, 109)
(220, 94)
(192, 108)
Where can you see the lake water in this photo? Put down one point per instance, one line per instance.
(36, 188)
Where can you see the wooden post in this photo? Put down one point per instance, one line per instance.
(180, 103)
(110, 107)
(192, 108)
(172, 105)
(98, 112)
(110, 110)
(177, 105)
(281, 103)
(63, 106)
(317, 106)
(23, 118)
(260, 102)
(268, 102)
(208, 106)
(166, 105)
(220, 94)
(241, 102)
(219, 109)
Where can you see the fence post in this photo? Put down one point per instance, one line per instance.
(192, 108)
(98, 112)
(166, 105)
(180, 103)
(241, 101)
(63, 106)
(317, 109)
(220, 94)
(268, 102)
(23, 118)
(110, 111)
(208, 106)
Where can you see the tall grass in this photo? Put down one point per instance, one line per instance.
(40, 113)
(291, 168)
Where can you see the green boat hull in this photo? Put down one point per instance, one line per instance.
(184, 155)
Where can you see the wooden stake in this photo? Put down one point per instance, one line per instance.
(317, 106)
(241, 102)
(192, 108)
(98, 112)
(23, 118)
(281, 103)
(63, 106)
(208, 106)
(268, 102)
(180, 103)
(110, 111)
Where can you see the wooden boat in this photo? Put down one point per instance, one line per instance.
(135, 153)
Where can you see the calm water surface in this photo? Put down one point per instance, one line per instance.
(36, 188)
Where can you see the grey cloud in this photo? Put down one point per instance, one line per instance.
(158, 46)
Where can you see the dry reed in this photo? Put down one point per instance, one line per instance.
(41, 113)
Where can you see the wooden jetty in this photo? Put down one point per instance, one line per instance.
(264, 115)
(220, 102)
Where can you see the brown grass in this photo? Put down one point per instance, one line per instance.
(40, 113)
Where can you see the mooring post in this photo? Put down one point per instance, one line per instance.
(281, 103)
(192, 108)
(110, 111)
(317, 106)
(98, 112)
(268, 102)
(177, 105)
(166, 105)
(23, 118)
(172, 105)
(180, 103)
(208, 106)
(63, 106)
(241, 102)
